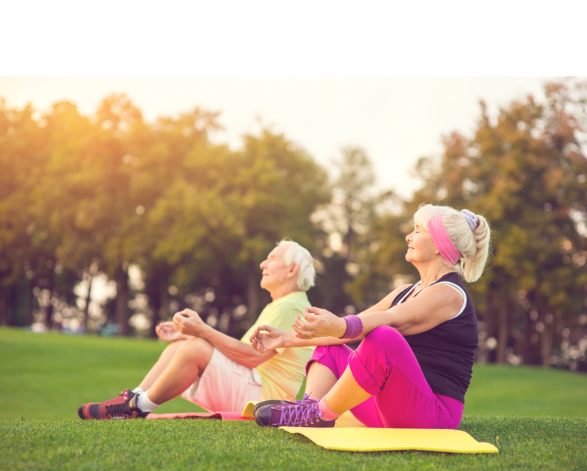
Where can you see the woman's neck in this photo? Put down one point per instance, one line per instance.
(433, 273)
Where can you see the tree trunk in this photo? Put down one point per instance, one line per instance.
(49, 320)
(502, 329)
(90, 279)
(30, 304)
(529, 331)
(161, 306)
(252, 294)
(546, 341)
(3, 317)
(49, 316)
(122, 297)
(490, 321)
(528, 347)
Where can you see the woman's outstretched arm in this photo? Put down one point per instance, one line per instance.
(432, 307)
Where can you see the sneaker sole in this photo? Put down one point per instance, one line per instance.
(80, 412)
(263, 404)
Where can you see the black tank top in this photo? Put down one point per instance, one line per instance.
(446, 353)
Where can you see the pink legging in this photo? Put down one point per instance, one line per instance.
(385, 366)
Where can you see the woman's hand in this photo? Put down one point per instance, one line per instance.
(267, 338)
(188, 322)
(319, 323)
(167, 332)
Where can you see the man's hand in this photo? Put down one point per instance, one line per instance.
(267, 338)
(319, 323)
(188, 322)
(168, 333)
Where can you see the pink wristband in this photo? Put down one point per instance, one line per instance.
(354, 327)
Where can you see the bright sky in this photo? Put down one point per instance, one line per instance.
(349, 65)
(396, 120)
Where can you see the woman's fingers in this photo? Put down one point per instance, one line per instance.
(309, 316)
(298, 331)
(303, 333)
(314, 312)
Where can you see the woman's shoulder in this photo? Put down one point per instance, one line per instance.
(452, 277)
(400, 289)
(396, 295)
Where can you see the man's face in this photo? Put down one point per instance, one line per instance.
(274, 269)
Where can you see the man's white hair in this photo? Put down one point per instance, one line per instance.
(295, 253)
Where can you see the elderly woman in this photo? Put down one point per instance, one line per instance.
(414, 363)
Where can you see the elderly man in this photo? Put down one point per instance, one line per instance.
(218, 372)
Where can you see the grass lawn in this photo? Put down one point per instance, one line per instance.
(537, 418)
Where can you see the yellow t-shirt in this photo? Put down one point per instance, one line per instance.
(283, 373)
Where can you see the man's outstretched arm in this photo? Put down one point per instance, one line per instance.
(188, 322)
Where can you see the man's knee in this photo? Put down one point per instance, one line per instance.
(196, 350)
(173, 347)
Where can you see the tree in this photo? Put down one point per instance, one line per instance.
(349, 220)
(174, 168)
(22, 160)
(525, 173)
(277, 188)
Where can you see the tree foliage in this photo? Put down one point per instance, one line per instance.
(88, 195)
(525, 172)
(175, 219)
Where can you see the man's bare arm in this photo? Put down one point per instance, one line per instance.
(189, 322)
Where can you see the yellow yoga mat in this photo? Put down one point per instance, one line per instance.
(350, 435)
(387, 439)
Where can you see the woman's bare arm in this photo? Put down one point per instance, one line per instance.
(433, 306)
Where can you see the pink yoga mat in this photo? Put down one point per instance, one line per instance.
(201, 415)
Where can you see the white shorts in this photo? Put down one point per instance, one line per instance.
(225, 386)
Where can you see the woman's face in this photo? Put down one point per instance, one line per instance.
(421, 248)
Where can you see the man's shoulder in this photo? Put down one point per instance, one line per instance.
(297, 300)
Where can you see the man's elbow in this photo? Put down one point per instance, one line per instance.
(254, 362)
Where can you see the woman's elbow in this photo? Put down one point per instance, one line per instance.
(403, 329)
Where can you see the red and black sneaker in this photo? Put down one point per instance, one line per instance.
(121, 407)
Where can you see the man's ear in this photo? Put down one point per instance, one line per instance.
(293, 270)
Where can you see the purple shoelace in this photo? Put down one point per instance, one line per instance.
(294, 416)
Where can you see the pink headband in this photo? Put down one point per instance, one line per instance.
(442, 240)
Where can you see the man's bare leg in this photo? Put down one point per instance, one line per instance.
(188, 362)
(159, 367)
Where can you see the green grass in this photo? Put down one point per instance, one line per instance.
(47, 376)
(526, 391)
(524, 443)
(537, 418)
